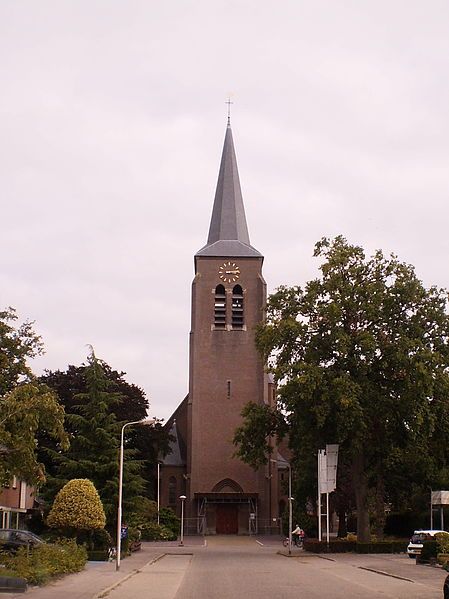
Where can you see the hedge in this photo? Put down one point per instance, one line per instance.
(429, 551)
(341, 546)
(101, 555)
(383, 547)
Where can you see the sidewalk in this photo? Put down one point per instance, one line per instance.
(96, 577)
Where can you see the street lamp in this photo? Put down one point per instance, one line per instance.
(182, 498)
(120, 488)
(158, 490)
(290, 499)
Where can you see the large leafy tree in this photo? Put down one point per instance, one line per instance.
(27, 407)
(361, 358)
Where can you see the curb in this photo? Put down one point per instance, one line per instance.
(384, 573)
(107, 590)
(305, 555)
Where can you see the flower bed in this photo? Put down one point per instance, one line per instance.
(45, 562)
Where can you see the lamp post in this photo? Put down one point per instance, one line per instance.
(158, 489)
(120, 488)
(290, 499)
(182, 498)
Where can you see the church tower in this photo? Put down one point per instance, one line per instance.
(226, 371)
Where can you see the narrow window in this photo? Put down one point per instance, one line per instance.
(228, 389)
(220, 307)
(172, 491)
(237, 307)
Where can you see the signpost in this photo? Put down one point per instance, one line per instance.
(327, 481)
(440, 498)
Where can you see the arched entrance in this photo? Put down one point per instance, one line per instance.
(227, 509)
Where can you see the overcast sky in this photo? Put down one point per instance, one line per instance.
(113, 117)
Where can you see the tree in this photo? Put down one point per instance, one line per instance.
(77, 506)
(129, 404)
(26, 410)
(27, 407)
(95, 439)
(17, 346)
(94, 444)
(361, 358)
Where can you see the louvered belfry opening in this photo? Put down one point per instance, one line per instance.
(237, 308)
(220, 307)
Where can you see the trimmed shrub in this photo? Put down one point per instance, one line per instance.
(382, 547)
(45, 562)
(335, 546)
(144, 510)
(77, 506)
(94, 540)
(342, 546)
(443, 559)
(170, 520)
(429, 551)
(98, 556)
(442, 539)
(155, 532)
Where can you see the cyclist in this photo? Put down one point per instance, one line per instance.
(298, 535)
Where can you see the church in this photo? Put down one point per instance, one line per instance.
(222, 494)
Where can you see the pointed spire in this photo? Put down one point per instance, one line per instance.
(228, 232)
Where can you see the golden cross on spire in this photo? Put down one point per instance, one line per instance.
(228, 102)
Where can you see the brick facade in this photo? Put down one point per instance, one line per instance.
(226, 372)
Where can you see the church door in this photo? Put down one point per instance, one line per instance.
(227, 519)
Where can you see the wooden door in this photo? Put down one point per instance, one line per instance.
(227, 519)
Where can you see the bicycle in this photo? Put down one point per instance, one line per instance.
(297, 542)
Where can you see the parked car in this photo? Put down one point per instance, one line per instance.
(419, 536)
(12, 539)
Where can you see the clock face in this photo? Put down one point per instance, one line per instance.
(229, 272)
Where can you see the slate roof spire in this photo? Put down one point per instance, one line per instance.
(228, 232)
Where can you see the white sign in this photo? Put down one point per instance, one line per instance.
(440, 497)
(327, 469)
(332, 462)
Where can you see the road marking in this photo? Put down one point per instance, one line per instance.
(261, 544)
(385, 573)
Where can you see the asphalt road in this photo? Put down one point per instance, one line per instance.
(242, 568)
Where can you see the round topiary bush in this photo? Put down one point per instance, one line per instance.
(77, 506)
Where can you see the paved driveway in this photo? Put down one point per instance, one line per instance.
(247, 568)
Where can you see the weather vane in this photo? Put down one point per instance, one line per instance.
(228, 102)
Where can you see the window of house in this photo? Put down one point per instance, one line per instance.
(220, 307)
(237, 308)
(172, 490)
